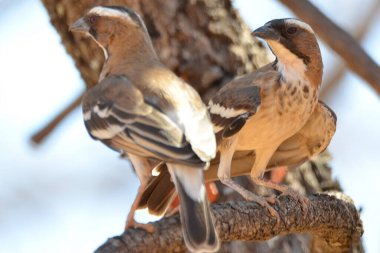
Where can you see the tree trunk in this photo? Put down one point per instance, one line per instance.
(206, 43)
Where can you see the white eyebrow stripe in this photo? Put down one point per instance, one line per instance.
(299, 23)
(104, 11)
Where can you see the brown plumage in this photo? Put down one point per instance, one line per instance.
(285, 95)
(309, 141)
(141, 108)
(264, 113)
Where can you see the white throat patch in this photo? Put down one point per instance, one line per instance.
(101, 46)
(291, 67)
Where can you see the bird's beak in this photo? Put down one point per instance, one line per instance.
(80, 26)
(266, 32)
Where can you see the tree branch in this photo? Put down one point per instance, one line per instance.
(39, 136)
(359, 33)
(332, 219)
(339, 40)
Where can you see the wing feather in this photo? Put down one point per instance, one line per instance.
(117, 114)
(231, 107)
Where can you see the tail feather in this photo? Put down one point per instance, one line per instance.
(159, 192)
(197, 224)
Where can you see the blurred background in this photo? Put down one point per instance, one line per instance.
(71, 189)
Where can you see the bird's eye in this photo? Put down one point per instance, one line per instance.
(92, 19)
(291, 30)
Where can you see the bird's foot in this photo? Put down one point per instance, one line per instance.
(250, 196)
(285, 191)
(273, 199)
(304, 201)
(134, 224)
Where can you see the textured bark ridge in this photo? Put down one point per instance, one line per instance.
(204, 41)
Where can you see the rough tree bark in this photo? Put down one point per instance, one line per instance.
(246, 221)
(179, 30)
(206, 43)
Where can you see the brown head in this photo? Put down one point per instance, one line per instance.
(117, 30)
(294, 43)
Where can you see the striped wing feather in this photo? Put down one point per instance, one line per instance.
(117, 114)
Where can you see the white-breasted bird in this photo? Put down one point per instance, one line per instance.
(260, 110)
(141, 108)
(268, 113)
(309, 141)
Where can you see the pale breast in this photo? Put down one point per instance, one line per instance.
(285, 109)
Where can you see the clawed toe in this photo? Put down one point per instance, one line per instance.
(272, 200)
(304, 201)
(250, 196)
(264, 203)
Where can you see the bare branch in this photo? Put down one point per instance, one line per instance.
(339, 40)
(360, 32)
(335, 222)
(39, 136)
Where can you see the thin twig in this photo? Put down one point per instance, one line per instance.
(340, 68)
(38, 137)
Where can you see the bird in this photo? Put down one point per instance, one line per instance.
(260, 110)
(142, 109)
(312, 139)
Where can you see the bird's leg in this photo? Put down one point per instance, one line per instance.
(262, 158)
(227, 149)
(250, 196)
(285, 190)
(143, 171)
